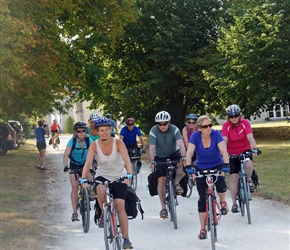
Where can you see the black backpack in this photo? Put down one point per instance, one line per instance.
(87, 139)
(255, 178)
(133, 204)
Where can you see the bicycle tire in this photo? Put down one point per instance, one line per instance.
(134, 178)
(242, 196)
(190, 185)
(109, 230)
(246, 201)
(85, 210)
(173, 215)
(211, 223)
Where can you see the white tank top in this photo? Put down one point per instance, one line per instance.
(110, 166)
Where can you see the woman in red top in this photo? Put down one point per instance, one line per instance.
(54, 128)
(238, 135)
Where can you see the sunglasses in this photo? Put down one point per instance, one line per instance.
(234, 116)
(191, 122)
(206, 126)
(163, 124)
(81, 131)
(130, 124)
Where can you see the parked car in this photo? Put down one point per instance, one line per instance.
(21, 139)
(8, 138)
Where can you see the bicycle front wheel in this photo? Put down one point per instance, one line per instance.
(109, 229)
(134, 179)
(173, 215)
(211, 224)
(247, 202)
(241, 196)
(85, 210)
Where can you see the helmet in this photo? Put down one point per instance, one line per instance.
(94, 117)
(108, 116)
(162, 116)
(80, 124)
(102, 122)
(233, 109)
(192, 116)
(40, 123)
(130, 121)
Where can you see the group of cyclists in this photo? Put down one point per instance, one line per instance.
(197, 144)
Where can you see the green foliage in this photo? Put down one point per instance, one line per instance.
(69, 125)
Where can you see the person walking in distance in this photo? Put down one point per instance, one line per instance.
(41, 145)
(238, 135)
(165, 142)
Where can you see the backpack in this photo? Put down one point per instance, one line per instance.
(132, 204)
(255, 178)
(152, 183)
(87, 139)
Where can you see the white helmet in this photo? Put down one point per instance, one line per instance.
(162, 116)
(94, 117)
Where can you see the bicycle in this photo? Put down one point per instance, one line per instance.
(56, 141)
(244, 194)
(83, 202)
(171, 199)
(213, 208)
(112, 229)
(135, 155)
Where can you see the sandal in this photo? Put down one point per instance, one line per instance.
(75, 217)
(224, 207)
(202, 234)
(179, 189)
(163, 213)
(252, 186)
(235, 209)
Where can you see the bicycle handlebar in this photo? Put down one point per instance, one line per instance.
(192, 169)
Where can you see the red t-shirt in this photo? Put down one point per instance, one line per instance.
(237, 136)
(54, 127)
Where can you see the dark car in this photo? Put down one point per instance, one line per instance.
(8, 140)
(21, 139)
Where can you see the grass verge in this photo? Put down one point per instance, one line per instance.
(22, 199)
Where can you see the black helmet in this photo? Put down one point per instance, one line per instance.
(40, 123)
(233, 109)
(80, 124)
(103, 122)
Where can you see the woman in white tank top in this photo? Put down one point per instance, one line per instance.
(112, 156)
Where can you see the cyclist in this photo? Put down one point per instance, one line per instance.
(77, 157)
(111, 155)
(238, 135)
(54, 128)
(92, 131)
(165, 142)
(128, 135)
(114, 125)
(211, 152)
(188, 130)
(40, 144)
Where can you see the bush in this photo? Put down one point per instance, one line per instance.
(69, 125)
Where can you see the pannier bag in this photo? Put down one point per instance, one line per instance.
(133, 204)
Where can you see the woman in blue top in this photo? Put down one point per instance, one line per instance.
(40, 144)
(77, 157)
(210, 151)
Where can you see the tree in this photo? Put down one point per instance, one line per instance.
(255, 70)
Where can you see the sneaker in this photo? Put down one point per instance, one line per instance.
(101, 221)
(235, 209)
(127, 244)
(42, 168)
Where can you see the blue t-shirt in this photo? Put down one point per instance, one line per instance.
(79, 153)
(129, 137)
(207, 157)
(93, 137)
(39, 134)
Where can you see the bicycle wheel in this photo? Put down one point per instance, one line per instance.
(241, 196)
(246, 200)
(109, 230)
(211, 224)
(190, 185)
(173, 215)
(85, 210)
(134, 179)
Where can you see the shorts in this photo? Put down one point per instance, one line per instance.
(53, 132)
(176, 156)
(117, 189)
(236, 164)
(41, 145)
